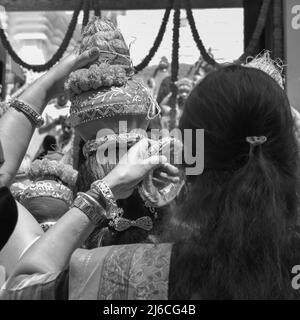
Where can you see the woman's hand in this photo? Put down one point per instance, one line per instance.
(134, 166)
(57, 76)
(51, 84)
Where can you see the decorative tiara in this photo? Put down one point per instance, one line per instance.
(264, 62)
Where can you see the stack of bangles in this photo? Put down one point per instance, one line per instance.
(98, 204)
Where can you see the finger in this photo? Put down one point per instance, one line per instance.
(139, 150)
(143, 146)
(87, 57)
(165, 177)
(159, 184)
(166, 180)
(169, 169)
(154, 162)
(157, 173)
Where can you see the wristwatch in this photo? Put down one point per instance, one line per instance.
(91, 209)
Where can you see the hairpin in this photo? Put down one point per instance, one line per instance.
(122, 224)
(256, 141)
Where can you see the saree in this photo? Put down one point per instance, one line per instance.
(127, 272)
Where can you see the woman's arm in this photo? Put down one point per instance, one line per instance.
(26, 232)
(52, 252)
(15, 128)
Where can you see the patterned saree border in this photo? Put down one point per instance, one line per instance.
(115, 273)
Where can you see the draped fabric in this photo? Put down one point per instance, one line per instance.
(48, 286)
(127, 272)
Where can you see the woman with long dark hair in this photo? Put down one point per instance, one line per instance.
(237, 229)
(235, 235)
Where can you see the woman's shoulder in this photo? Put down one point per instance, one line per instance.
(102, 252)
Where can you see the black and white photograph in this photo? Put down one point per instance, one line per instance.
(149, 151)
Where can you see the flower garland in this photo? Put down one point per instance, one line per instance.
(156, 43)
(174, 66)
(86, 14)
(278, 29)
(102, 75)
(250, 50)
(196, 37)
(260, 25)
(46, 168)
(55, 58)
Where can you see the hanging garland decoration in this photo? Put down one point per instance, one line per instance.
(174, 66)
(196, 37)
(96, 7)
(55, 58)
(86, 13)
(278, 29)
(156, 43)
(250, 50)
(260, 25)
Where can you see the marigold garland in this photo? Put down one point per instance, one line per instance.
(156, 43)
(97, 76)
(260, 25)
(278, 29)
(86, 13)
(196, 37)
(174, 65)
(55, 58)
(250, 50)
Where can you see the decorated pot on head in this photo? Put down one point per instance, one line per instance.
(50, 194)
(106, 93)
(110, 108)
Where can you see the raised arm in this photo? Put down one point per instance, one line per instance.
(16, 129)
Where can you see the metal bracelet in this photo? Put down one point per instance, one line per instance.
(91, 199)
(90, 207)
(102, 189)
(28, 111)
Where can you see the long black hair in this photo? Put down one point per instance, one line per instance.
(236, 233)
